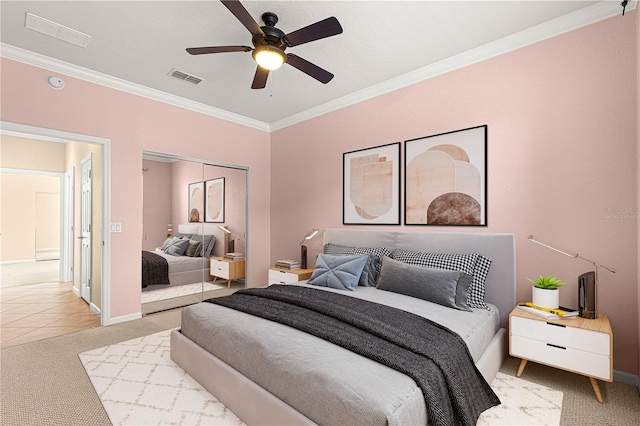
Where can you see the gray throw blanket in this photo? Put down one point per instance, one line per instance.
(155, 269)
(436, 358)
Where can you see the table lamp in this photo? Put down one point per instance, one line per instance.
(587, 282)
(303, 248)
(228, 247)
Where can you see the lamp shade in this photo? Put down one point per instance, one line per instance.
(269, 57)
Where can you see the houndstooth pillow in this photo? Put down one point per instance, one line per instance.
(473, 264)
(375, 255)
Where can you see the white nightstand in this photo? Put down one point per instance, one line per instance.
(220, 267)
(285, 276)
(579, 345)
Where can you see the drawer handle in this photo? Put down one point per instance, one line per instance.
(556, 346)
(556, 325)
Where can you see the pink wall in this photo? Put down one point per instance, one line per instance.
(562, 150)
(637, 15)
(133, 124)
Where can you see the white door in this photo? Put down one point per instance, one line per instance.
(66, 242)
(85, 230)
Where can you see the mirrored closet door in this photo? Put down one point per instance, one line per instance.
(194, 231)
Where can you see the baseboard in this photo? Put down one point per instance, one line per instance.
(8, 262)
(626, 378)
(94, 308)
(124, 318)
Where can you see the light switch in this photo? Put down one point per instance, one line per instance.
(116, 227)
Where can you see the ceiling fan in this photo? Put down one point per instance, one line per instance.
(269, 44)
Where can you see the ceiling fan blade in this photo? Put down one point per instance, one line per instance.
(322, 29)
(260, 78)
(323, 76)
(243, 16)
(218, 49)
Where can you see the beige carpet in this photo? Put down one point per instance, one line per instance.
(45, 383)
(138, 383)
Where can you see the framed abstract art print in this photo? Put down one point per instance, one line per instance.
(214, 200)
(446, 179)
(371, 186)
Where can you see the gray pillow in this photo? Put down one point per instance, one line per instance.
(208, 241)
(176, 247)
(473, 264)
(441, 286)
(341, 272)
(194, 249)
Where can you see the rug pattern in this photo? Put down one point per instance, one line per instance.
(139, 384)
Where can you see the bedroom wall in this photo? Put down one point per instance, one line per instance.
(156, 203)
(562, 160)
(17, 215)
(133, 124)
(637, 15)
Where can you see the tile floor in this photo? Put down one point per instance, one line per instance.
(39, 311)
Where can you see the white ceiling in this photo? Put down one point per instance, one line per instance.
(385, 45)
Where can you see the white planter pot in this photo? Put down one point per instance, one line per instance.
(546, 298)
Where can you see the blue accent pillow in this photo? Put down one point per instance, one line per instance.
(340, 272)
(176, 247)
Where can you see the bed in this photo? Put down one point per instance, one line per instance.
(160, 269)
(283, 379)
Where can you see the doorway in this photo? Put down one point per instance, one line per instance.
(78, 146)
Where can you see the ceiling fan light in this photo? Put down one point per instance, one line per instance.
(269, 57)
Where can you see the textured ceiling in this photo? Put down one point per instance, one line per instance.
(142, 41)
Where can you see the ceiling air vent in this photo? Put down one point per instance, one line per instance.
(181, 75)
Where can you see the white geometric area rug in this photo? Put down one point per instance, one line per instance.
(139, 384)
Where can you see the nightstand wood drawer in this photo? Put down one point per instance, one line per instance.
(570, 337)
(280, 276)
(219, 269)
(567, 358)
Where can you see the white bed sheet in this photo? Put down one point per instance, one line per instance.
(179, 264)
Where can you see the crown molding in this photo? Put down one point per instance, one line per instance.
(599, 11)
(42, 61)
(563, 24)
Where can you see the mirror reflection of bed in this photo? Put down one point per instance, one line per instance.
(175, 253)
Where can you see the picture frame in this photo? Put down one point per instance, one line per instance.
(196, 202)
(371, 186)
(445, 178)
(214, 200)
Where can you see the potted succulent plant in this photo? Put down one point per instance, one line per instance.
(545, 291)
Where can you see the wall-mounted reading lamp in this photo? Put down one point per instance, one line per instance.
(587, 282)
(228, 246)
(303, 248)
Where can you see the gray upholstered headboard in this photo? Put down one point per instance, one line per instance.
(500, 285)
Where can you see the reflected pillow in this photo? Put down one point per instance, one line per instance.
(166, 243)
(340, 272)
(194, 249)
(441, 286)
(176, 247)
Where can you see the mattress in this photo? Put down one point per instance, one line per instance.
(179, 264)
(324, 382)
